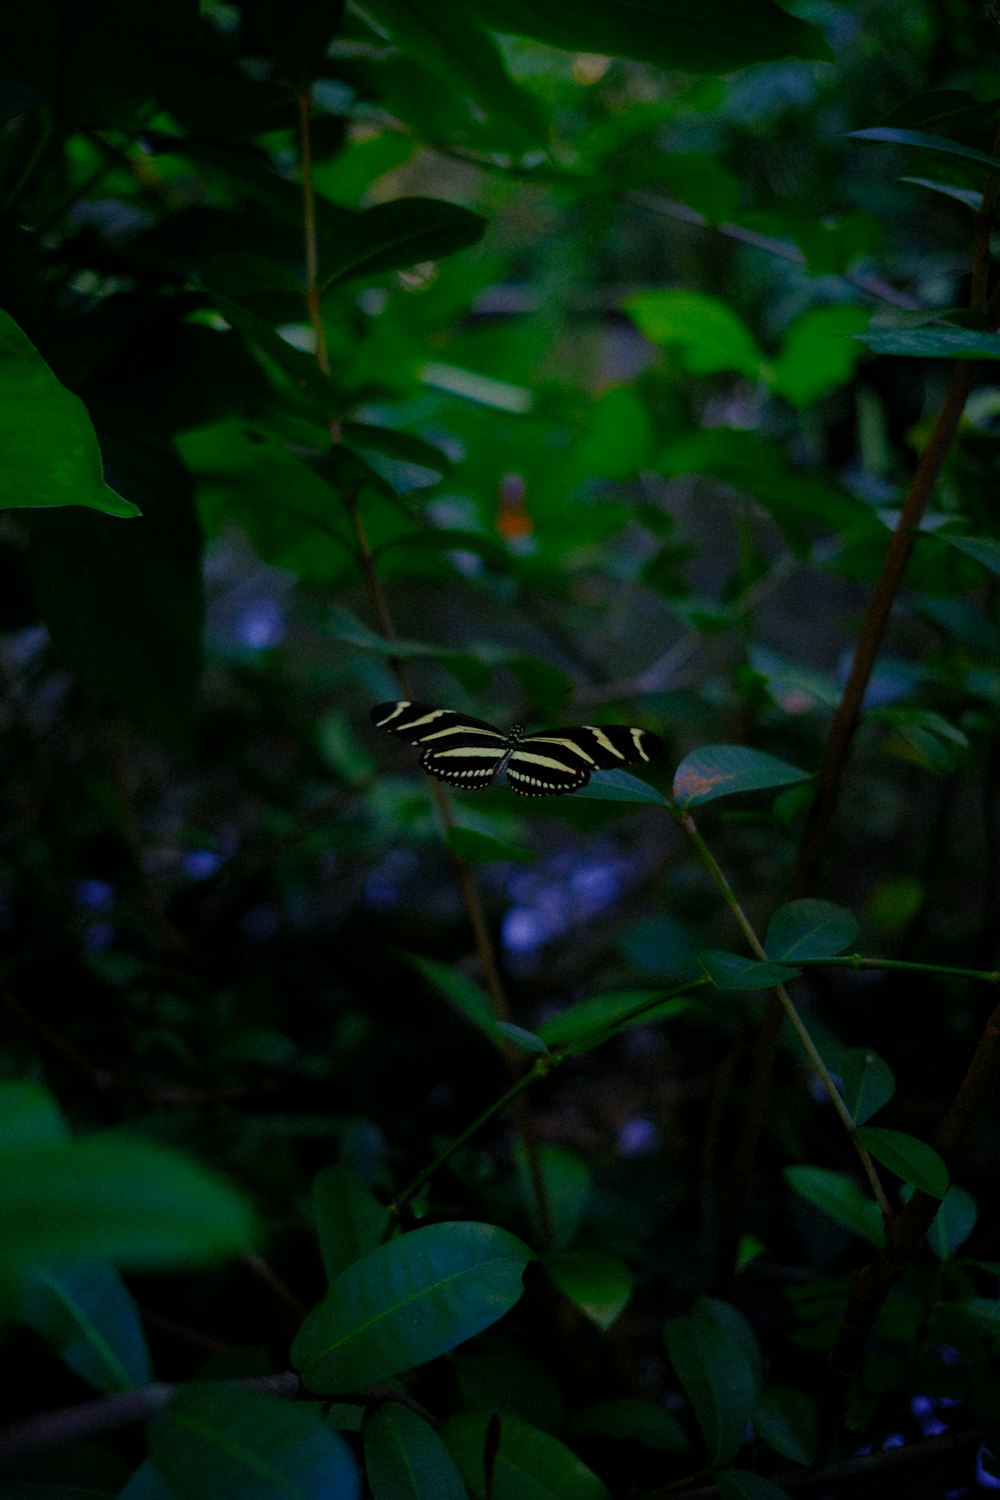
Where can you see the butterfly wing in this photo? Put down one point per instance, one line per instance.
(458, 749)
(556, 761)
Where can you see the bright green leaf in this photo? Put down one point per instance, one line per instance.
(817, 354)
(709, 335)
(51, 453)
(600, 1284)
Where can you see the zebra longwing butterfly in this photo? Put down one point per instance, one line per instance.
(472, 754)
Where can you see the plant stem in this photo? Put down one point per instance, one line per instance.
(857, 961)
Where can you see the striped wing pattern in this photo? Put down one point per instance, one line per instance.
(470, 753)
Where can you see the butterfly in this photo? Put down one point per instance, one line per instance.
(470, 753)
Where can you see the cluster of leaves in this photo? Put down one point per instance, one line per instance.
(546, 360)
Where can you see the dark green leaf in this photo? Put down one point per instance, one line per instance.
(809, 929)
(937, 143)
(223, 1442)
(85, 1314)
(720, 1376)
(407, 1302)
(632, 1420)
(968, 196)
(787, 1421)
(50, 448)
(713, 39)
(932, 343)
(350, 1221)
(985, 549)
(621, 786)
(405, 1458)
(530, 1465)
(909, 1158)
(866, 1082)
(589, 1022)
(740, 1484)
(723, 770)
(731, 971)
(598, 1283)
(468, 998)
(567, 1179)
(29, 1115)
(839, 1196)
(483, 848)
(392, 236)
(954, 1222)
(405, 446)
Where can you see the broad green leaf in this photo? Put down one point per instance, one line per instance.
(708, 334)
(839, 1196)
(224, 1442)
(712, 39)
(530, 1465)
(731, 971)
(809, 929)
(621, 786)
(350, 1220)
(483, 848)
(50, 449)
(909, 1158)
(404, 446)
(723, 770)
(985, 549)
(467, 669)
(394, 235)
(786, 1419)
(527, 1041)
(469, 998)
(406, 1459)
(29, 1115)
(467, 63)
(600, 1284)
(567, 1181)
(932, 343)
(817, 354)
(954, 1222)
(663, 946)
(866, 1082)
(147, 1483)
(589, 1022)
(938, 143)
(720, 1375)
(740, 1484)
(117, 1198)
(85, 1313)
(407, 1302)
(634, 1421)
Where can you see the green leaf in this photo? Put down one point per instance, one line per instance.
(598, 1283)
(712, 39)
(51, 453)
(407, 1302)
(932, 343)
(723, 770)
(866, 1082)
(709, 336)
(483, 848)
(621, 786)
(467, 669)
(404, 446)
(124, 604)
(590, 1022)
(467, 63)
(787, 1420)
(406, 1459)
(224, 1442)
(468, 998)
(954, 1222)
(817, 354)
(632, 1420)
(527, 1041)
(938, 143)
(567, 1181)
(985, 549)
(967, 196)
(910, 1159)
(663, 946)
(29, 1115)
(719, 1370)
(740, 1484)
(810, 929)
(350, 1220)
(530, 1465)
(392, 236)
(120, 1199)
(839, 1196)
(731, 971)
(85, 1313)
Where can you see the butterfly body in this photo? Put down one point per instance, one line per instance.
(472, 754)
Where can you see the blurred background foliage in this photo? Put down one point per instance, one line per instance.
(591, 282)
